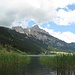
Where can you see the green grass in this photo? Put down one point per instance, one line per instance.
(12, 61)
(60, 62)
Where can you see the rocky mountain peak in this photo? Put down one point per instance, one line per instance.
(18, 29)
(34, 42)
(35, 31)
(35, 28)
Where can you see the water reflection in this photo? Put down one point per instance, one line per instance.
(60, 64)
(13, 64)
(35, 68)
(46, 65)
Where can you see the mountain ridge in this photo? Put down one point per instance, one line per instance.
(41, 34)
(31, 43)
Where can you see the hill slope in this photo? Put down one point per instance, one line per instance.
(32, 40)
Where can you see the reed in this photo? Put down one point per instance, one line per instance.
(12, 62)
(60, 63)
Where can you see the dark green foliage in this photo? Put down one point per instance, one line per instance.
(20, 41)
(30, 44)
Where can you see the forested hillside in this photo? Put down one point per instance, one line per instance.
(31, 44)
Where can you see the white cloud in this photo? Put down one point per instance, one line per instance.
(63, 3)
(65, 36)
(65, 17)
(14, 10)
(39, 10)
(21, 23)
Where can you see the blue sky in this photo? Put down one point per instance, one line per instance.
(52, 25)
(55, 16)
(71, 7)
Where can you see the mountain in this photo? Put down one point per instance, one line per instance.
(20, 41)
(18, 29)
(46, 38)
(32, 40)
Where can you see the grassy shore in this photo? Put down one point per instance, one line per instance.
(62, 63)
(11, 62)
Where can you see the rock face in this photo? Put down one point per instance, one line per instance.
(18, 29)
(34, 31)
(34, 40)
(44, 37)
(40, 34)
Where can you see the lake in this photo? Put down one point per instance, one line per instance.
(41, 65)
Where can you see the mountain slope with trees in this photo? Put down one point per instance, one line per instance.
(36, 42)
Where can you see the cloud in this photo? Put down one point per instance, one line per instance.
(39, 10)
(21, 23)
(62, 3)
(65, 36)
(17, 12)
(65, 17)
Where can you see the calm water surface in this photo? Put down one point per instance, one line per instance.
(37, 66)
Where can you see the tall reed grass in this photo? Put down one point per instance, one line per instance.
(63, 64)
(12, 63)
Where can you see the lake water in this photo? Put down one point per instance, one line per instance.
(38, 66)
